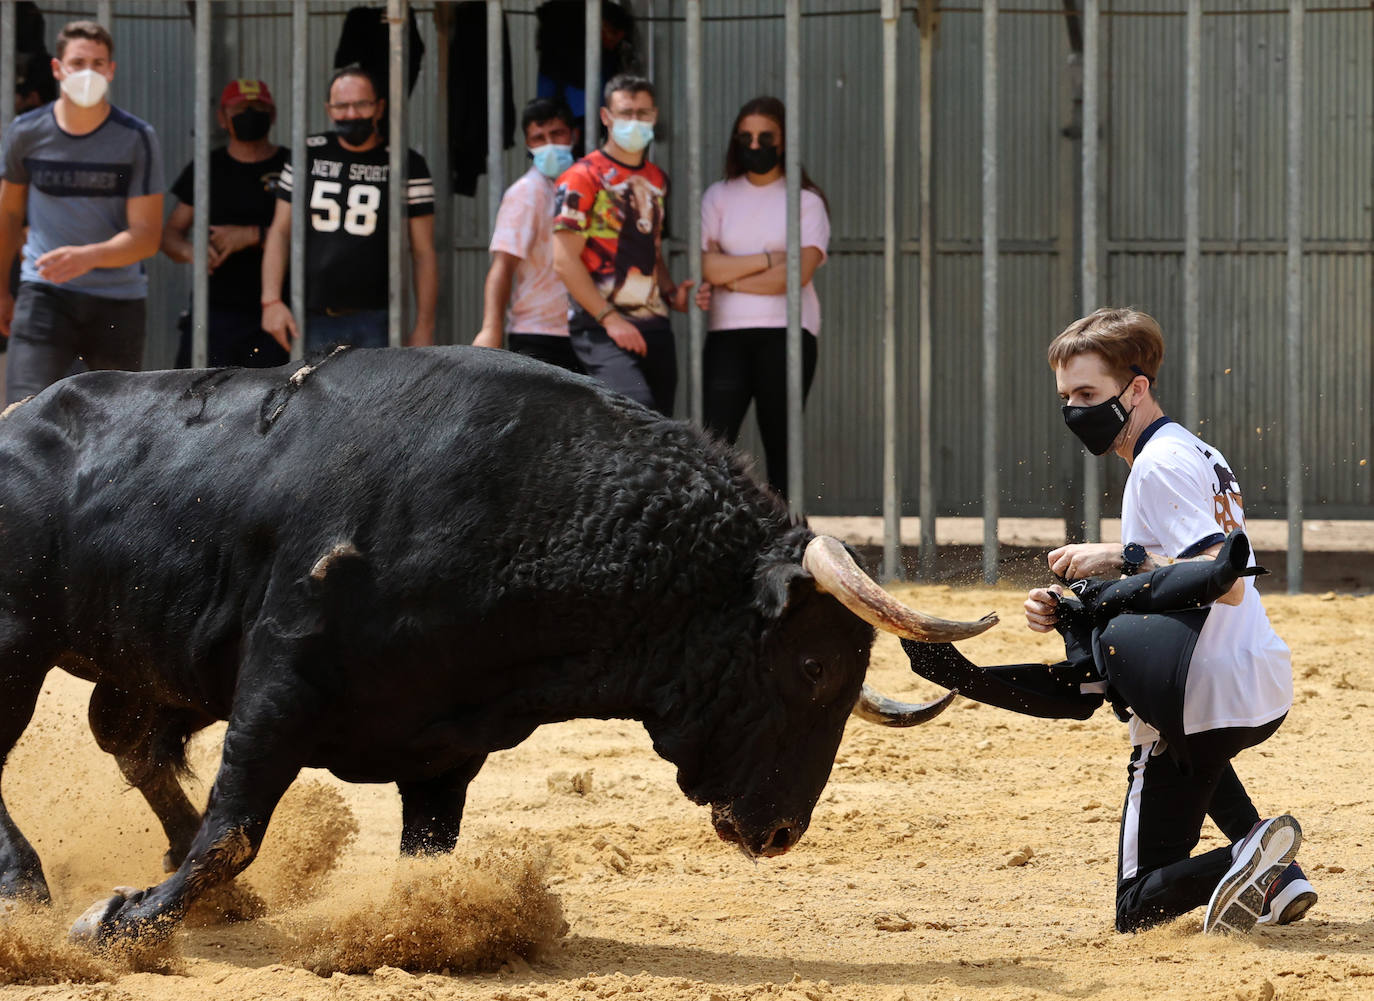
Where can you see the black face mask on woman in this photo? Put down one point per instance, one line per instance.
(251, 125)
(1097, 426)
(759, 160)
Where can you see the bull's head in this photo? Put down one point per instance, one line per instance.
(812, 660)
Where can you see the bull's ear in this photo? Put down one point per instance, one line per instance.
(780, 587)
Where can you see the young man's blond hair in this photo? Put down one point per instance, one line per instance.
(1128, 340)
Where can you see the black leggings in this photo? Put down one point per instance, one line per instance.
(743, 366)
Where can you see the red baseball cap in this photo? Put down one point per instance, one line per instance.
(245, 90)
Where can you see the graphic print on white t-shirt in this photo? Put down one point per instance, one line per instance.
(1180, 492)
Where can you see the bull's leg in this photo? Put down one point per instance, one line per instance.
(270, 734)
(21, 874)
(431, 811)
(148, 744)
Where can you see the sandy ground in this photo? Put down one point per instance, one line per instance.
(973, 857)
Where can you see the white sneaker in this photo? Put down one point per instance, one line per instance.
(1260, 858)
(1288, 899)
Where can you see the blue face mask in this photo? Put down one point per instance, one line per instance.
(630, 134)
(552, 159)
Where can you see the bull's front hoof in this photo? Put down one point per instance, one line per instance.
(86, 930)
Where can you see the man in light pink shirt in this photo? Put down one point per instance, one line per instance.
(525, 306)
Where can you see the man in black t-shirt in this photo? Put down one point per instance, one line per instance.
(346, 264)
(243, 179)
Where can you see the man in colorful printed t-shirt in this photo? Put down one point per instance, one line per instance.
(608, 231)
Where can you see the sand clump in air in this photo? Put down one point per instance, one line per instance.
(34, 950)
(310, 831)
(440, 914)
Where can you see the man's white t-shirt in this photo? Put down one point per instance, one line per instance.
(1181, 498)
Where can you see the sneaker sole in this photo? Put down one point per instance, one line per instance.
(1294, 909)
(1239, 897)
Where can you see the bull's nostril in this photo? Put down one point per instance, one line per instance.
(781, 839)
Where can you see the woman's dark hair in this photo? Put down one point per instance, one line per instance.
(768, 107)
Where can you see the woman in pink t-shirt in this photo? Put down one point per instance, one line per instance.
(744, 236)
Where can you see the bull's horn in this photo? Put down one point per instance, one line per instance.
(837, 574)
(876, 707)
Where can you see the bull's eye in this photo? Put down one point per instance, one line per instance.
(812, 669)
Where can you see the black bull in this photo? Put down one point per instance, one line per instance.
(390, 564)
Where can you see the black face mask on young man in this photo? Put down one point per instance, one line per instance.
(355, 131)
(251, 125)
(1097, 426)
(758, 160)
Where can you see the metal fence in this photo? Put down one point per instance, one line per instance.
(1227, 187)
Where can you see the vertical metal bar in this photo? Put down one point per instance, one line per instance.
(104, 14)
(696, 320)
(1192, 215)
(200, 220)
(7, 60)
(441, 166)
(496, 181)
(925, 382)
(1068, 272)
(1092, 466)
(396, 174)
(991, 493)
(1292, 397)
(591, 77)
(300, 58)
(796, 475)
(892, 486)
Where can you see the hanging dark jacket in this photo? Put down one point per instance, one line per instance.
(366, 40)
(467, 95)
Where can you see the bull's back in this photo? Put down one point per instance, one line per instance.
(166, 503)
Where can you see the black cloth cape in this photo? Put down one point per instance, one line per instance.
(1127, 641)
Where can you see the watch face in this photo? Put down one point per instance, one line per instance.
(1133, 554)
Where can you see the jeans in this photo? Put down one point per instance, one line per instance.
(648, 379)
(54, 327)
(361, 328)
(235, 339)
(547, 348)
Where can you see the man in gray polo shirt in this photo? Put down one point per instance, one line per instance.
(90, 178)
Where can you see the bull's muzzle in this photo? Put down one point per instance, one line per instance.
(767, 844)
(836, 573)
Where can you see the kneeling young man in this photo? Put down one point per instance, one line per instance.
(1179, 502)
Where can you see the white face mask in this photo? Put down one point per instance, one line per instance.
(85, 88)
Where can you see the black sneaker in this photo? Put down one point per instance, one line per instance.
(1260, 858)
(1289, 899)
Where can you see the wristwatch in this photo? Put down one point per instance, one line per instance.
(1133, 557)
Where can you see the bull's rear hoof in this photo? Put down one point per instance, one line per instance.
(86, 929)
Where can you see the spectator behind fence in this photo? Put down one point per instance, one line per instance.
(89, 177)
(608, 235)
(744, 240)
(34, 85)
(243, 178)
(521, 276)
(346, 176)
